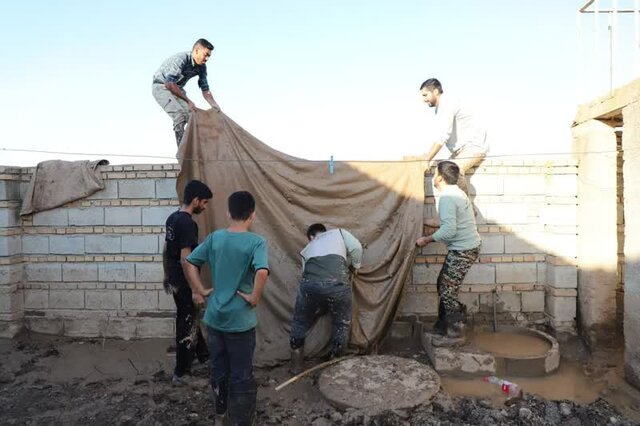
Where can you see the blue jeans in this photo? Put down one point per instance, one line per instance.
(315, 299)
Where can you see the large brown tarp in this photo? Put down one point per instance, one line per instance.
(381, 203)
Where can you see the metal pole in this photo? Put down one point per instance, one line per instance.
(636, 26)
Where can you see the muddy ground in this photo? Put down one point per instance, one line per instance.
(47, 380)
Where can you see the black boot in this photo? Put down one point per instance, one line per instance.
(456, 322)
(242, 403)
(221, 402)
(440, 327)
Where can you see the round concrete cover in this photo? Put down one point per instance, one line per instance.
(383, 382)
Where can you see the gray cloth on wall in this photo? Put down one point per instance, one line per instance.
(56, 182)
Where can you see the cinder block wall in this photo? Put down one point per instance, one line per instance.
(93, 268)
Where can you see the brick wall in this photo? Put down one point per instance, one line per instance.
(93, 267)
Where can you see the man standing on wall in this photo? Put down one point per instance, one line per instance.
(170, 79)
(459, 130)
(181, 238)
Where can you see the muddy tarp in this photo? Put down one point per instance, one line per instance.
(56, 182)
(381, 203)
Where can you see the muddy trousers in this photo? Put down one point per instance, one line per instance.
(232, 379)
(189, 339)
(177, 108)
(315, 299)
(467, 157)
(455, 268)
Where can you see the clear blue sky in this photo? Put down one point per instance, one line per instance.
(308, 78)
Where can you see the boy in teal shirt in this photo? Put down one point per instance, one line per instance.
(239, 272)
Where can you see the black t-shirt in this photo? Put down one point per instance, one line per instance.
(181, 232)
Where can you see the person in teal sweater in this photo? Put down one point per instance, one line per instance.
(456, 225)
(239, 272)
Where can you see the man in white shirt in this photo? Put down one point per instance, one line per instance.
(459, 130)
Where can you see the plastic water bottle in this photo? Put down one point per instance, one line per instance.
(507, 387)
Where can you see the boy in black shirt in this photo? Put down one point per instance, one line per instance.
(181, 238)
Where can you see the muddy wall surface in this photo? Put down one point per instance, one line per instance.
(93, 267)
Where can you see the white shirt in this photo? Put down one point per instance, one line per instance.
(458, 125)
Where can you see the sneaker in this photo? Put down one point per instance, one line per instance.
(183, 380)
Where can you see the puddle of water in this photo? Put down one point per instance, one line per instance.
(569, 382)
(509, 343)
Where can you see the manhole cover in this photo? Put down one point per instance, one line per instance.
(383, 382)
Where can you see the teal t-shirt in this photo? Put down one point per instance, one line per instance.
(234, 258)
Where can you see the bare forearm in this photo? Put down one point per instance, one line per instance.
(435, 148)
(175, 91)
(259, 283)
(192, 274)
(434, 222)
(209, 98)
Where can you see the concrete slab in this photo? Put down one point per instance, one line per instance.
(378, 382)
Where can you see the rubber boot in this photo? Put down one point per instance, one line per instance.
(297, 361)
(456, 323)
(440, 327)
(242, 403)
(221, 403)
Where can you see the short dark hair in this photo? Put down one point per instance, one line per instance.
(204, 43)
(196, 189)
(314, 229)
(449, 171)
(431, 84)
(241, 205)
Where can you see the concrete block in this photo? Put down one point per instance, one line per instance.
(86, 216)
(562, 185)
(166, 188)
(514, 273)
(36, 299)
(147, 244)
(77, 272)
(562, 245)
(425, 273)
(505, 302)
(102, 299)
(533, 301)
(35, 244)
(136, 188)
(156, 216)
(518, 244)
(457, 361)
(9, 218)
(560, 214)
(140, 300)
(562, 276)
(102, 244)
(418, 303)
(66, 299)
(9, 190)
(10, 328)
(45, 325)
(110, 191)
(116, 272)
(509, 213)
(84, 327)
(11, 302)
(486, 184)
(434, 248)
(524, 185)
(471, 300)
(55, 217)
(122, 216)
(492, 244)
(481, 273)
(155, 327)
(10, 245)
(43, 272)
(66, 244)
(149, 272)
(165, 301)
(10, 274)
(561, 308)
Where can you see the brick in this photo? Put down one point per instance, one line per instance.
(166, 188)
(156, 215)
(418, 303)
(561, 308)
(149, 272)
(9, 190)
(102, 299)
(514, 273)
(492, 244)
(10, 245)
(109, 192)
(425, 273)
(35, 244)
(136, 188)
(86, 216)
(140, 300)
(524, 185)
(103, 244)
(519, 244)
(165, 301)
(505, 302)
(116, 272)
(532, 301)
(55, 217)
(140, 244)
(66, 244)
(66, 299)
(9, 218)
(10, 274)
(45, 272)
(122, 216)
(73, 272)
(559, 276)
(155, 327)
(36, 299)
